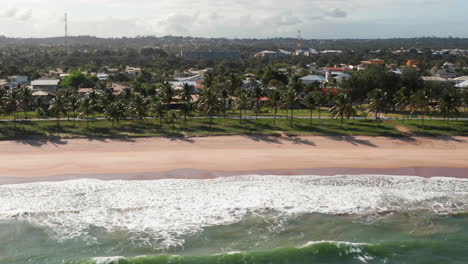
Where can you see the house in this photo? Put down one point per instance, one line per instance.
(309, 79)
(267, 54)
(460, 79)
(43, 94)
(8, 86)
(444, 73)
(56, 72)
(462, 85)
(84, 91)
(118, 88)
(19, 79)
(49, 85)
(102, 76)
(133, 71)
(434, 79)
(307, 52)
(331, 52)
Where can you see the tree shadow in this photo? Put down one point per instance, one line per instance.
(299, 140)
(37, 142)
(353, 140)
(264, 138)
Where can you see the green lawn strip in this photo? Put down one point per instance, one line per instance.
(194, 127)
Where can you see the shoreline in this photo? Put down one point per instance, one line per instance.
(191, 174)
(228, 155)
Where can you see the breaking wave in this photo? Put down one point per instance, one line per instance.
(170, 210)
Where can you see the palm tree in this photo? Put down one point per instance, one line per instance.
(209, 103)
(73, 105)
(289, 98)
(25, 99)
(309, 102)
(167, 93)
(172, 117)
(157, 108)
(187, 91)
(420, 101)
(137, 107)
(378, 102)
(403, 99)
(275, 101)
(343, 107)
(242, 102)
(10, 104)
(57, 107)
(257, 93)
(115, 111)
(449, 103)
(86, 108)
(319, 98)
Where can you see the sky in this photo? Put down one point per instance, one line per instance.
(316, 19)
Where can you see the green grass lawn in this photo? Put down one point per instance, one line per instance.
(436, 127)
(195, 127)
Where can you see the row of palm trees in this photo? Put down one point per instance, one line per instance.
(168, 104)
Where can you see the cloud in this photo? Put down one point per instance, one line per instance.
(336, 12)
(25, 15)
(286, 19)
(15, 14)
(178, 23)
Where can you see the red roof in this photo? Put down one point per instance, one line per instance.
(335, 69)
(331, 90)
(263, 99)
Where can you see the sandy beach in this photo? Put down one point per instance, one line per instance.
(42, 158)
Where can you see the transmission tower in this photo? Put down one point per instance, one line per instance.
(66, 32)
(300, 41)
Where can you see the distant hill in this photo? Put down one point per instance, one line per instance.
(173, 43)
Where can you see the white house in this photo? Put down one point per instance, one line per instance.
(103, 76)
(49, 85)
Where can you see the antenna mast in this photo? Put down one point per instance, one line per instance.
(299, 40)
(66, 33)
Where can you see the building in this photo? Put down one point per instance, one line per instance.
(444, 73)
(411, 63)
(8, 86)
(331, 52)
(102, 76)
(462, 85)
(19, 79)
(434, 79)
(48, 85)
(133, 71)
(460, 79)
(118, 88)
(213, 55)
(309, 79)
(268, 54)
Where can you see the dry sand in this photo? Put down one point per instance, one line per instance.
(41, 158)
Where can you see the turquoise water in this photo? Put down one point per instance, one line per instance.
(250, 219)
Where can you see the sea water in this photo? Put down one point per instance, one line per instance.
(241, 219)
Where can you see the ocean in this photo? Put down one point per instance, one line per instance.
(241, 219)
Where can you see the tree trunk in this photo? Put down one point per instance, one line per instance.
(274, 117)
(292, 116)
(311, 113)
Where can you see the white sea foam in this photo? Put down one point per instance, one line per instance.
(171, 209)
